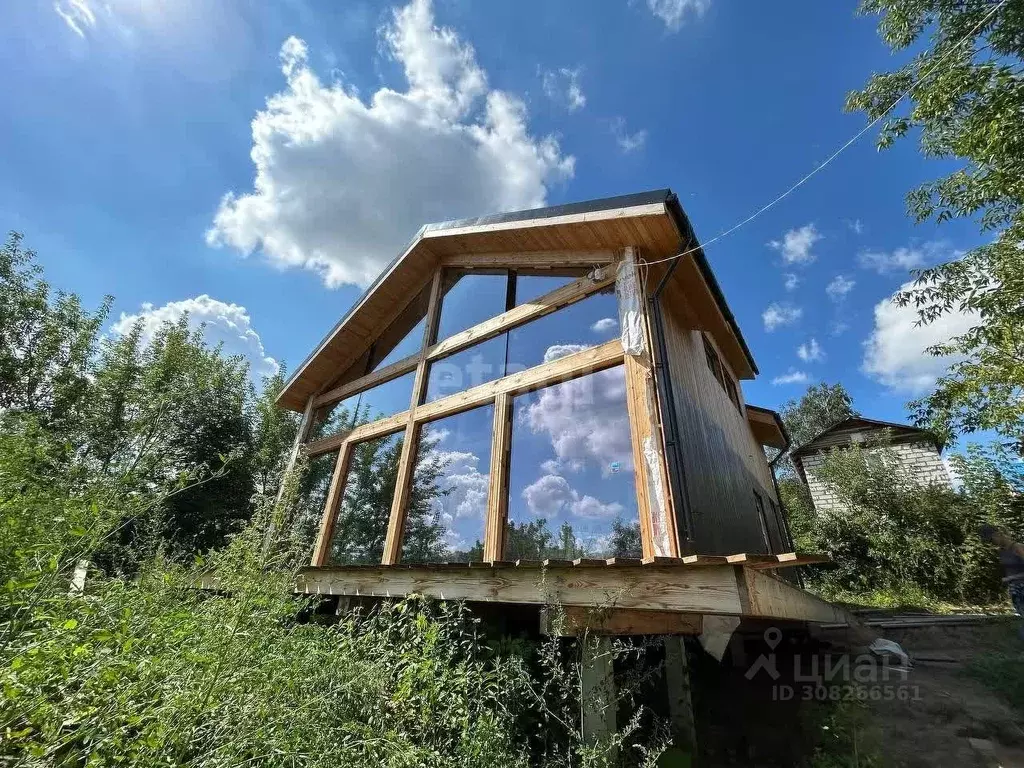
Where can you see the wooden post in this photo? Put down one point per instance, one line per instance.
(322, 548)
(300, 438)
(657, 522)
(497, 492)
(598, 697)
(680, 704)
(407, 461)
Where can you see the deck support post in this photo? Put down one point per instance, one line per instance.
(680, 703)
(598, 696)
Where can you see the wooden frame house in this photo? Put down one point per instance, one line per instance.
(577, 369)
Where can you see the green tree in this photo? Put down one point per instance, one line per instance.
(625, 541)
(965, 105)
(821, 406)
(47, 344)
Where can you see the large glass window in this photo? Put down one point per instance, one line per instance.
(312, 497)
(587, 323)
(466, 369)
(372, 404)
(530, 287)
(361, 521)
(404, 337)
(571, 487)
(447, 510)
(470, 298)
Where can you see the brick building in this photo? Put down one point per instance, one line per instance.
(919, 451)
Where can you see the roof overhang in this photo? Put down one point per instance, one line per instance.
(651, 221)
(767, 427)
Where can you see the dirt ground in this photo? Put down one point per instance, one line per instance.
(863, 714)
(953, 719)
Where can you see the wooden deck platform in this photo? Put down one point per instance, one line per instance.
(727, 585)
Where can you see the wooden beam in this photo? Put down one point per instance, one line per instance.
(564, 368)
(321, 549)
(650, 209)
(524, 313)
(403, 485)
(380, 376)
(657, 519)
(530, 259)
(770, 597)
(577, 620)
(658, 588)
(407, 459)
(497, 491)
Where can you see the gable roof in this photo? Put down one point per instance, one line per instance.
(652, 221)
(841, 433)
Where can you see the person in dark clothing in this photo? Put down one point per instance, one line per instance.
(1011, 555)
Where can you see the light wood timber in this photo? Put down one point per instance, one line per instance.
(564, 368)
(530, 259)
(524, 313)
(691, 590)
(488, 329)
(577, 620)
(321, 549)
(770, 597)
(407, 459)
(651, 209)
(497, 491)
(380, 376)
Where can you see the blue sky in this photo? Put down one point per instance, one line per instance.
(127, 122)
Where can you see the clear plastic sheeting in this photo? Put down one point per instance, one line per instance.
(656, 493)
(630, 298)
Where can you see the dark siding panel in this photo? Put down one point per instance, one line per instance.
(722, 462)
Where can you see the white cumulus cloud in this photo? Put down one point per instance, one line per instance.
(795, 246)
(551, 495)
(839, 287)
(792, 377)
(894, 353)
(673, 12)
(605, 325)
(342, 183)
(585, 418)
(227, 324)
(810, 352)
(792, 280)
(780, 314)
(563, 87)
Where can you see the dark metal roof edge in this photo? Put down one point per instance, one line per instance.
(351, 311)
(683, 222)
(906, 428)
(547, 212)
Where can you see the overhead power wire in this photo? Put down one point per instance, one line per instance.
(970, 35)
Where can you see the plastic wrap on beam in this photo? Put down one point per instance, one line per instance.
(630, 300)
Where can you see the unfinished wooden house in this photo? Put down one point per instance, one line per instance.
(547, 405)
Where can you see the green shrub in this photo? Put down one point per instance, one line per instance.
(892, 535)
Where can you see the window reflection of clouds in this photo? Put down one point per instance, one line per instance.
(571, 467)
(448, 505)
(579, 324)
